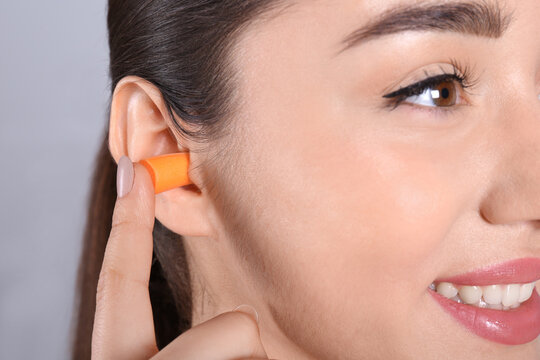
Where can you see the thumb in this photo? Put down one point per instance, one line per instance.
(230, 335)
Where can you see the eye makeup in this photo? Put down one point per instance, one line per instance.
(462, 77)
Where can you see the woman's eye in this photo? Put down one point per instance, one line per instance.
(440, 91)
(442, 94)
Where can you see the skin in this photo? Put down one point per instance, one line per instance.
(335, 214)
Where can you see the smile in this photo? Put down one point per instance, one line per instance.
(498, 303)
(499, 297)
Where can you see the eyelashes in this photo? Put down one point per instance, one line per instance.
(462, 76)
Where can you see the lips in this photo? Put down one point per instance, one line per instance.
(524, 270)
(511, 327)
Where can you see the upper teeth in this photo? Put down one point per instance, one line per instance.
(500, 297)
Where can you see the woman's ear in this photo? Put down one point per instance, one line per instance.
(140, 127)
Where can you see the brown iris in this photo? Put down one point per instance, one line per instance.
(444, 94)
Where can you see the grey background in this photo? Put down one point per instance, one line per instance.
(54, 92)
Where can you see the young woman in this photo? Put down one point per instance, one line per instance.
(366, 176)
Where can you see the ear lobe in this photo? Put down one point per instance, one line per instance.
(184, 212)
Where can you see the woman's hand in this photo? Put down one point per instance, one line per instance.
(123, 324)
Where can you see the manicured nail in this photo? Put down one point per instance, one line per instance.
(124, 176)
(248, 309)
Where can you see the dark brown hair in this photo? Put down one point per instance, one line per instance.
(184, 48)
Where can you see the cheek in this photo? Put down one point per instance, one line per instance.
(372, 208)
(342, 229)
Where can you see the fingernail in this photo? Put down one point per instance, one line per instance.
(248, 309)
(124, 176)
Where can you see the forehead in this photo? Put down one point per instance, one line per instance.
(320, 29)
(351, 22)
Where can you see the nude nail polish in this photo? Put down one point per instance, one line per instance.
(124, 176)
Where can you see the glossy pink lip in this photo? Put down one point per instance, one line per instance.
(511, 327)
(518, 271)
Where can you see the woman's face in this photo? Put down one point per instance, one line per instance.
(345, 205)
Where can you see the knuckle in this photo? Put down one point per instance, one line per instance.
(120, 227)
(110, 278)
(112, 275)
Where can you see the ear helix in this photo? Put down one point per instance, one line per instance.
(168, 171)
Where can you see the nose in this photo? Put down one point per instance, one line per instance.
(514, 194)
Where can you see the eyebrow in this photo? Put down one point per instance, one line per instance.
(483, 19)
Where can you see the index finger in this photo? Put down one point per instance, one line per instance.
(123, 324)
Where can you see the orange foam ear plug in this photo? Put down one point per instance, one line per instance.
(168, 171)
